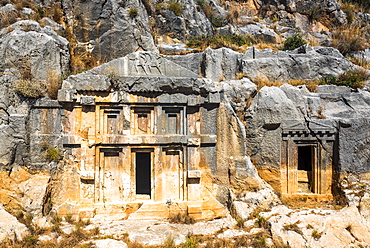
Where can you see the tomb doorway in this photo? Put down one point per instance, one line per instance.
(306, 165)
(143, 173)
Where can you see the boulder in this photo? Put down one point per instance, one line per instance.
(259, 31)
(10, 228)
(268, 109)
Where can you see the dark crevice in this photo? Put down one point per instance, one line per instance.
(346, 102)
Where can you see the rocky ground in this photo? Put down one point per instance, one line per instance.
(279, 226)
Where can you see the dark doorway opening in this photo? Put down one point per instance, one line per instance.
(305, 158)
(305, 165)
(143, 173)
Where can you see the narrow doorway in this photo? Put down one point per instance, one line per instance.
(306, 160)
(143, 173)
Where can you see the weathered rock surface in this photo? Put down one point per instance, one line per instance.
(29, 52)
(29, 48)
(259, 31)
(23, 190)
(106, 28)
(107, 243)
(192, 21)
(319, 228)
(157, 232)
(346, 111)
(10, 228)
(309, 8)
(307, 63)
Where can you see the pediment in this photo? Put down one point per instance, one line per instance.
(144, 64)
(313, 125)
(293, 125)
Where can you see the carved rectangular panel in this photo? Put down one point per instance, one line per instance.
(142, 121)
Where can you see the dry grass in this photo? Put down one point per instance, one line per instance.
(53, 84)
(54, 12)
(262, 81)
(233, 14)
(361, 62)
(181, 218)
(264, 45)
(234, 42)
(350, 38)
(80, 61)
(293, 227)
(30, 88)
(355, 5)
(74, 239)
(256, 212)
(311, 85)
(8, 18)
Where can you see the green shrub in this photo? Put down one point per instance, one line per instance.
(218, 21)
(133, 13)
(191, 242)
(261, 221)
(261, 242)
(52, 154)
(200, 2)
(294, 42)
(354, 79)
(316, 235)
(175, 8)
(217, 41)
(240, 223)
(314, 13)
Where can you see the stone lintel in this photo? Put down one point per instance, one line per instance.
(87, 100)
(46, 103)
(194, 173)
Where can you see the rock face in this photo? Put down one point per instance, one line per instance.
(307, 63)
(273, 129)
(27, 49)
(35, 54)
(107, 29)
